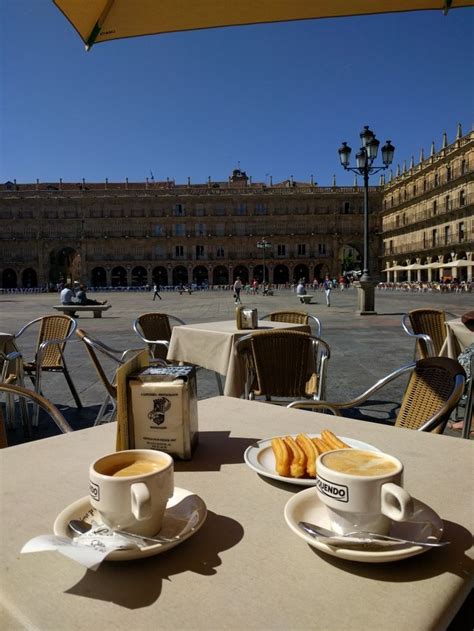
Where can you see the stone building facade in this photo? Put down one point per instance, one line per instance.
(124, 234)
(428, 216)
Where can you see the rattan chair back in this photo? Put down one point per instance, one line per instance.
(433, 384)
(281, 363)
(429, 322)
(294, 317)
(154, 329)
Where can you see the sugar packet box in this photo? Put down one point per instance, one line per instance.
(163, 409)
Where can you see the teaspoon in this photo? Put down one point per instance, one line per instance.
(81, 527)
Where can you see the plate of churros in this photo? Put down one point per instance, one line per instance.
(293, 458)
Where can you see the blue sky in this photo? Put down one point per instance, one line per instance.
(278, 98)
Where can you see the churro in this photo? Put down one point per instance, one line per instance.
(332, 440)
(322, 445)
(283, 457)
(311, 451)
(298, 463)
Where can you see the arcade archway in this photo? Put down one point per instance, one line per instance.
(220, 276)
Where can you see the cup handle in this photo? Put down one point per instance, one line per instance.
(397, 504)
(141, 501)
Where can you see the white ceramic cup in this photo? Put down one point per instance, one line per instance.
(132, 499)
(362, 490)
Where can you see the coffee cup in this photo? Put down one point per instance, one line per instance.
(130, 489)
(362, 490)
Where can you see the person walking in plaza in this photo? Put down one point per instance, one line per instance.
(327, 286)
(156, 289)
(237, 289)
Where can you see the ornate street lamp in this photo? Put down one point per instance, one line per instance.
(264, 245)
(364, 161)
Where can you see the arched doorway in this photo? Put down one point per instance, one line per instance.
(258, 273)
(64, 264)
(180, 275)
(281, 275)
(160, 276)
(350, 258)
(220, 276)
(9, 279)
(200, 276)
(119, 277)
(98, 277)
(29, 278)
(318, 272)
(301, 271)
(242, 272)
(139, 276)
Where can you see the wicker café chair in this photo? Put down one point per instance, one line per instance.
(294, 317)
(433, 391)
(95, 348)
(155, 330)
(283, 363)
(25, 396)
(54, 332)
(428, 328)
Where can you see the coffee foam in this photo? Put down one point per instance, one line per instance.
(358, 462)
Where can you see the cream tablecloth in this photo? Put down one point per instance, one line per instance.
(211, 345)
(458, 338)
(245, 569)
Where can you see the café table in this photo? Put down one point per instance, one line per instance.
(245, 568)
(458, 338)
(211, 345)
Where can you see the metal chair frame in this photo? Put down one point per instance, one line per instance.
(294, 317)
(423, 341)
(119, 357)
(320, 351)
(49, 354)
(39, 401)
(436, 422)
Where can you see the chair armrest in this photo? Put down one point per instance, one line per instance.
(420, 336)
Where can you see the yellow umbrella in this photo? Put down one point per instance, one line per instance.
(102, 20)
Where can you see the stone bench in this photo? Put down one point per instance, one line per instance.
(70, 309)
(305, 299)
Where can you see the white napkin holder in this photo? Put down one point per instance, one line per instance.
(163, 409)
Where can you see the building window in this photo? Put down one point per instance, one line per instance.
(424, 240)
(240, 229)
(404, 218)
(346, 207)
(446, 203)
(281, 250)
(462, 198)
(178, 210)
(179, 251)
(322, 248)
(436, 179)
(424, 186)
(434, 238)
(461, 231)
(448, 174)
(200, 229)
(463, 167)
(158, 230)
(397, 221)
(200, 210)
(414, 190)
(199, 251)
(435, 207)
(179, 229)
(241, 209)
(390, 247)
(260, 209)
(220, 253)
(404, 194)
(219, 210)
(301, 248)
(447, 235)
(220, 229)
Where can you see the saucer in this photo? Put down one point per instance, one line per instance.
(185, 514)
(261, 459)
(306, 506)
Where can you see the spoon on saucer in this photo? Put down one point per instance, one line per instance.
(80, 527)
(332, 538)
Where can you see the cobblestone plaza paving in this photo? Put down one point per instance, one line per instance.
(363, 348)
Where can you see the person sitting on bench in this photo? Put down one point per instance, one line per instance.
(300, 289)
(82, 299)
(67, 297)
